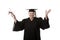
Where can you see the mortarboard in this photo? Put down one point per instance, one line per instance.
(32, 10)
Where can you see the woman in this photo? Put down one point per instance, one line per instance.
(31, 25)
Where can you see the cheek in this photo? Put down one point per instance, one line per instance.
(31, 14)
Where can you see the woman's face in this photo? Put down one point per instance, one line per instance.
(31, 14)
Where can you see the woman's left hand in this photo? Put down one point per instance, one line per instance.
(47, 12)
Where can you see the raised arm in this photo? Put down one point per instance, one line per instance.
(18, 25)
(13, 16)
(46, 13)
(44, 23)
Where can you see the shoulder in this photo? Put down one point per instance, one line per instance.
(25, 19)
(39, 18)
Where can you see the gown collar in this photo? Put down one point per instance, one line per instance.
(32, 20)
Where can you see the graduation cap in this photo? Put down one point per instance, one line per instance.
(32, 10)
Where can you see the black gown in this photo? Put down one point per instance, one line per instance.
(31, 28)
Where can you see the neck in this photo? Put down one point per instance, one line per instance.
(31, 18)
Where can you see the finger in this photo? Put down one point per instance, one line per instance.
(49, 10)
(9, 13)
(10, 10)
(45, 11)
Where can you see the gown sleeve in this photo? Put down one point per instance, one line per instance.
(19, 25)
(44, 24)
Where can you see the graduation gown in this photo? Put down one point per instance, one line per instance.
(31, 28)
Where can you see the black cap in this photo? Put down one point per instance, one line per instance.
(32, 10)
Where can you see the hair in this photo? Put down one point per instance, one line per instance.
(35, 14)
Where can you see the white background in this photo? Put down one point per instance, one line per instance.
(19, 9)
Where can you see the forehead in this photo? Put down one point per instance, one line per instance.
(31, 12)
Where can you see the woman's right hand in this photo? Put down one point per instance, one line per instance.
(13, 16)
